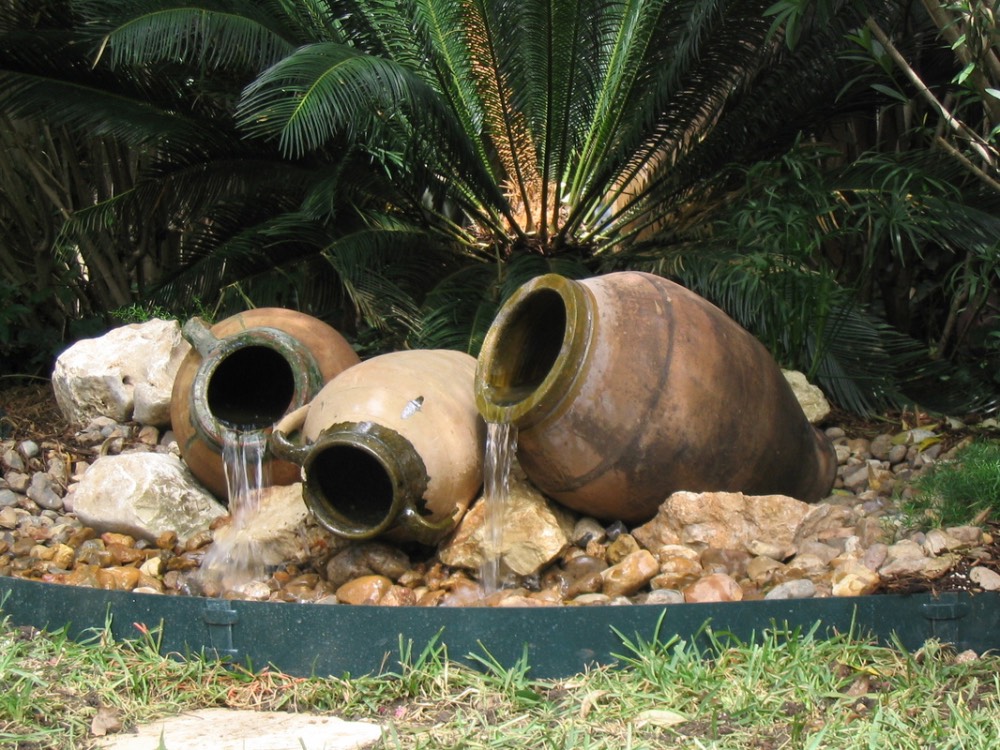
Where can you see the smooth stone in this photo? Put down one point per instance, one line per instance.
(858, 479)
(587, 529)
(364, 590)
(762, 571)
(663, 597)
(13, 460)
(630, 575)
(854, 579)
(254, 591)
(582, 575)
(29, 449)
(8, 517)
(676, 573)
(41, 552)
(716, 587)
(523, 600)
(881, 446)
(18, 481)
(364, 559)
(82, 575)
(8, 498)
(986, 579)
(153, 567)
(800, 589)
(462, 592)
(398, 596)
(897, 454)
(733, 562)
(591, 600)
(623, 546)
(63, 556)
(118, 578)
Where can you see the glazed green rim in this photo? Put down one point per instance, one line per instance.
(496, 370)
(404, 468)
(307, 378)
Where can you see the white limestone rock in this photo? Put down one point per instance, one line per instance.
(144, 495)
(127, 374)
(809, 396)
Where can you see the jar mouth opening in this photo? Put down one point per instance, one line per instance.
(533, 351)
(527, 347)
(251, 388)
(351, 490)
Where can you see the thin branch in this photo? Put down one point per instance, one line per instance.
(981, 147)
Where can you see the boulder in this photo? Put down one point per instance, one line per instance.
(279, 530)
(127, 374)
(144, 495)
(535, 531)
(723, 520)
(810, 397)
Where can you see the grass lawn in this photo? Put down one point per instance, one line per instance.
(786, 690)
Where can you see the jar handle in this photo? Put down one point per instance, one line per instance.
(200, 336)
(280, 444)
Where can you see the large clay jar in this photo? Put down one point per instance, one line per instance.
(627, 387)
(392, 447)
(245, 373)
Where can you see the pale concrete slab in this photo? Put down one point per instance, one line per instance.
(225, 729)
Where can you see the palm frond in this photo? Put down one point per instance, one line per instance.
(100, 112)
(213, 34)
(439, 24)
(490, 34)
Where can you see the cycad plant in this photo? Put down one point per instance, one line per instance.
(403, 165)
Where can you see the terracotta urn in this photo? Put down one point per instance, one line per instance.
(245, 373)
(391, 447)
(627, 387)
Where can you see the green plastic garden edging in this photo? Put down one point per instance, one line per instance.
(322, 640)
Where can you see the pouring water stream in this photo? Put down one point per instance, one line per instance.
(234, 558)
(501, 445)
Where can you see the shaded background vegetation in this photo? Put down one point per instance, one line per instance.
(825, 171)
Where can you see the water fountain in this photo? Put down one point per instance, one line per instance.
(309, 638)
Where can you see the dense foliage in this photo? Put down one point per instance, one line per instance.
(398, 167)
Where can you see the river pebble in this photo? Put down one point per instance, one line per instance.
(851, 544)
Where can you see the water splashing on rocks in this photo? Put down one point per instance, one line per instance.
(235, 558)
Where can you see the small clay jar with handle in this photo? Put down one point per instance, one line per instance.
(245, 373)
(392, 447)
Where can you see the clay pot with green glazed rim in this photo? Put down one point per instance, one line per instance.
(245, 373)
(627, 387)
(392, 447)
